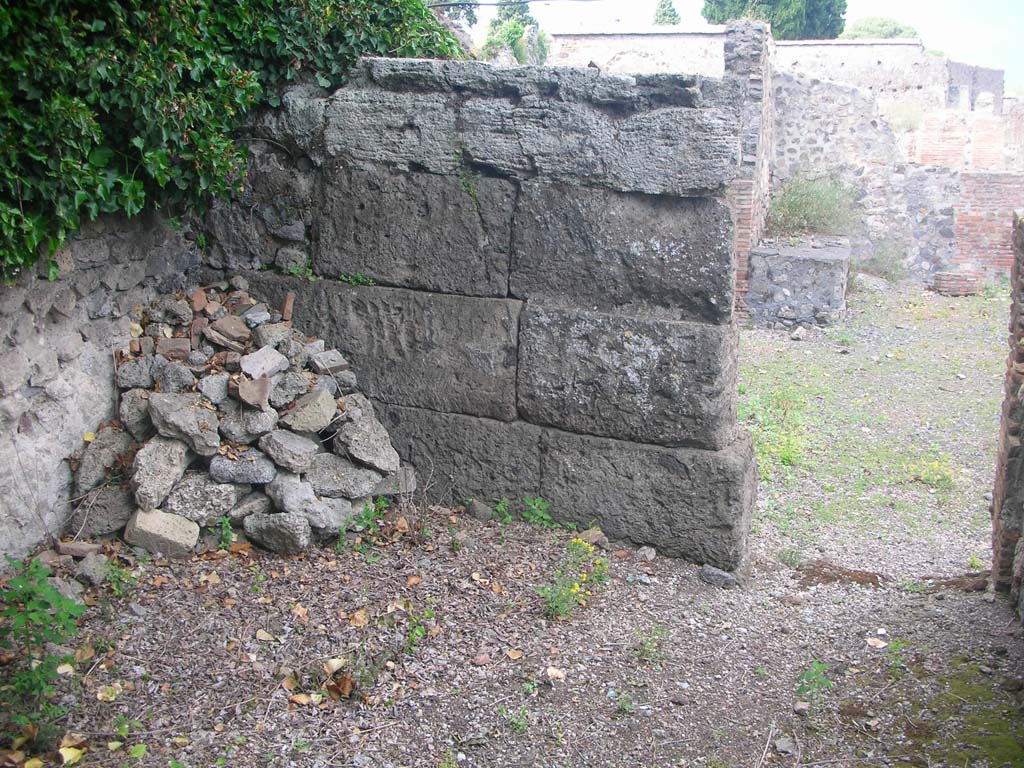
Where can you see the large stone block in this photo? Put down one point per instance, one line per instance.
(461, 457)
(370, 126)
(443, 352)
(652, 381)
(417, 230)
(597, 248)
(798, 285)
(677, 150)
(686, 503)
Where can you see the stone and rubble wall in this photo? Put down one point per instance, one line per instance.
(1008, 493)
(986, 204)
(643, 51)
(57, 344)
(562, 323)
(802, 284)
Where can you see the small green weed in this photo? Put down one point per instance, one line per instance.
(225, 533)
(120, 579)
(974, 563)
(536, 513)
(937, 473)
(648, 648)
(624, 704)
(910, 585)
(791, 558)
(573, 579)
(776, 418)
(448, 761)
(813, 681)
(367, 522)
(33, 614)
(502, 512)
(518, 721)
(894, 655)
(357, 279)
(417, 628)
(304, 271)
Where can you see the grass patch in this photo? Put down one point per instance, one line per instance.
(776, 419)
(807, 205)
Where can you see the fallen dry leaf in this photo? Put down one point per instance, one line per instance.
(302, 699)
(300, 612)
(481, 659)
(70, 755)
(263, 636)
(359, 618)
(108, 693)
(514, 653)
(209, 578)
(874, 642)
(333, 665)
(412, 581)
(554, 673)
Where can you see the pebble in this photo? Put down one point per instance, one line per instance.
(646, 554)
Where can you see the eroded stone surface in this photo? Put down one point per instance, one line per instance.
(185, 418)
(158, 465)
(162, 532)
(200, 498)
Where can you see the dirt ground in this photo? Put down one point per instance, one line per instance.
(429, 646)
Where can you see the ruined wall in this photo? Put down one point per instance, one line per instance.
(643, 51)
(57, 341)
(893, 71)
(987, 202)
(562, 323)
(1008, 493)
(749, 51)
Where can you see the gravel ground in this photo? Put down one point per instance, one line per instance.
(431, 647)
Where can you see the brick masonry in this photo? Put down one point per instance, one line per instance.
(984, 212)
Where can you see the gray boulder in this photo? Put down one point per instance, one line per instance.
(173, 377)
(244, 425)
(184, 417)
(336, 476)
(137, 372)
(311, 412)
(100, 456)
(289, 450)
(255, 503)
(330, 517)
(287, 388)
(162, 532)
(134, 413)
(202, 499)
(214, 388)
(366, 441)
(265, 362)
(251, 468)
(291, 494)
(103, 511)
(158, 465)
(282, 533)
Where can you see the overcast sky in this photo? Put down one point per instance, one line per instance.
(985, 32)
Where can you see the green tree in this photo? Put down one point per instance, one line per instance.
(461, 15)
(666, 13)
(790, 19)
(878, 28)
(511, 28)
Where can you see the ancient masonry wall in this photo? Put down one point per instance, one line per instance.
(647, 51)
(57, 341)
(748, 57)
(562, 325)
(1008, 494)
(986, 204)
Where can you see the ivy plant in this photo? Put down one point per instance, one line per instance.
(112, 105)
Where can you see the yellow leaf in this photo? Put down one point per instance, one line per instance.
(70, 755)
(302, 699)
(71, 739)
(874, 642)
(514, 653)
(65, 669)
(109, 692)
(333, 665)
(360, 618)
(209, 578)
(135, 330)
(35, 762)
(88, 437)
(554, 673)
(263, 636)
(113, 746)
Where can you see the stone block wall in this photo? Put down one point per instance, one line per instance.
(57, 341)
(1008, 493)
(551, 259)
(646, 51)
(801, 284)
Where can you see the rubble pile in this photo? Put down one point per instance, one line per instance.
(228, 413)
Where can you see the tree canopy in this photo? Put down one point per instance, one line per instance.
(790, 19)
(666, 13)
(879, 28)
